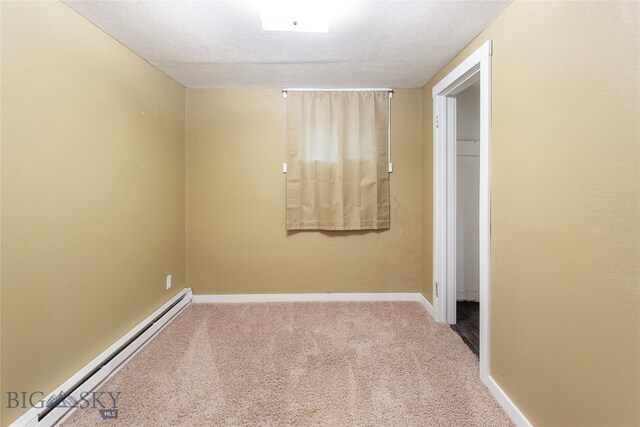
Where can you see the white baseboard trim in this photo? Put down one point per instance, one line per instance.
(427, 306)
(259, 298)
(501, 397)
(507, 404)
(30, 418)
(328, 297)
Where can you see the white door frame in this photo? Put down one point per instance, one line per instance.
(476, 67)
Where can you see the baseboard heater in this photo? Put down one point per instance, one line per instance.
(100, 368)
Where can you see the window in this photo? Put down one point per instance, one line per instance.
(338, 176)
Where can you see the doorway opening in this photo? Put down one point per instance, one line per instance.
(467, 177)
(462, 127)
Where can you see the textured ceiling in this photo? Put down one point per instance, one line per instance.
(222, 44)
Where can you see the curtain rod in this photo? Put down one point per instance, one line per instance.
(389, 90)
(379, 89)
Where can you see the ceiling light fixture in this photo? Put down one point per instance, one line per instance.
(298, 16)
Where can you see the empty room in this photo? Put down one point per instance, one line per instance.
(319, 213)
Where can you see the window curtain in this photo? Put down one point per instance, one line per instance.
(337, 176)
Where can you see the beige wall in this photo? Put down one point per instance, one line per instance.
(93, 202)
(236, 237)
(565, 218)
(92, 193)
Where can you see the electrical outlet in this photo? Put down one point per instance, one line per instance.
(169, 282)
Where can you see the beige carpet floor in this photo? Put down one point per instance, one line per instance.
(321, 364)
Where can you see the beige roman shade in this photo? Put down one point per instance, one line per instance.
(337, 176)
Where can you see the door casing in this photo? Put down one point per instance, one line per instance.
(477, 67)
